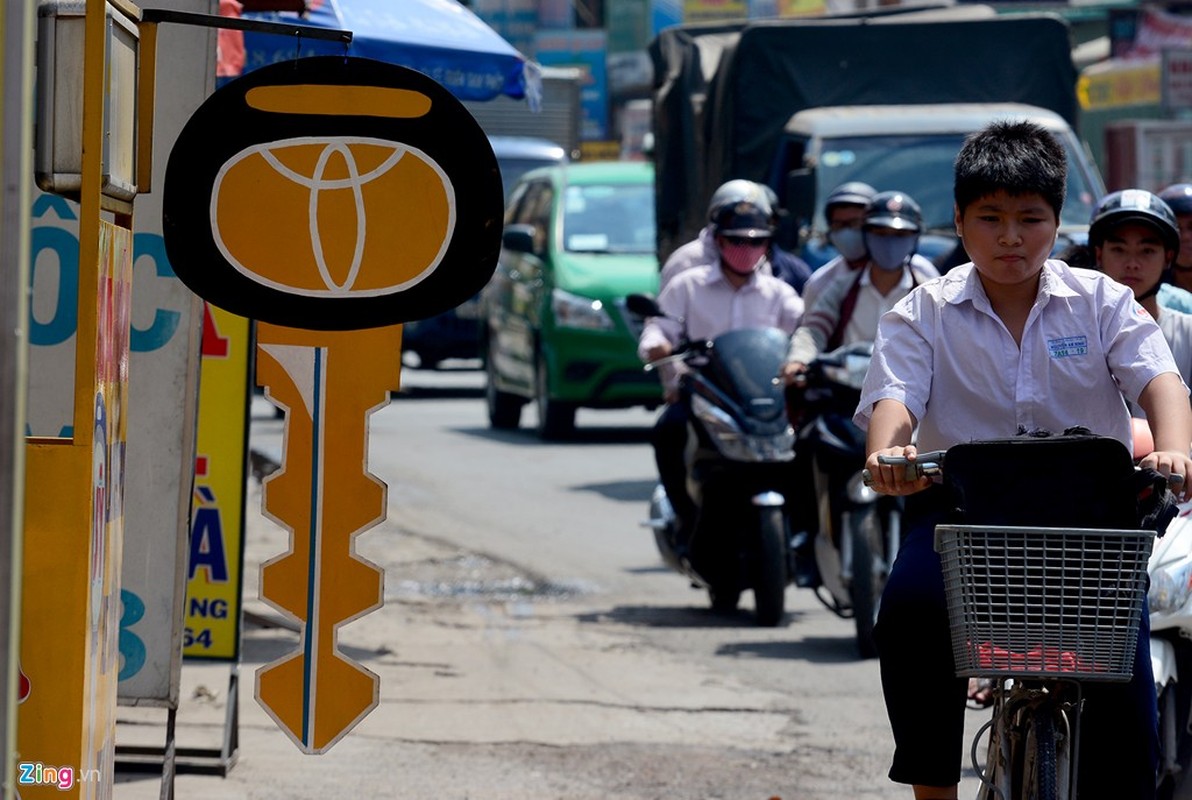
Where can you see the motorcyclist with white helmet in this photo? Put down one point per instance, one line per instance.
(727, 292)
(702, 249)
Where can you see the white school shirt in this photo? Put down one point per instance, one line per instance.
(822, 309)
(1177, 330)
(824, 275)
(700, 303)
(948, 358)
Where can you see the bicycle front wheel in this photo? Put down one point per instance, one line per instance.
(1040, 771)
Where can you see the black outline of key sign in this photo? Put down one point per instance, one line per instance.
(353, 100)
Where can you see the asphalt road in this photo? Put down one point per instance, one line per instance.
(532, 646)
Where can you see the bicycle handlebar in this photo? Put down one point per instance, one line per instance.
(928, 464)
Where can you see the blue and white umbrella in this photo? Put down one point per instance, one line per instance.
(440, 38)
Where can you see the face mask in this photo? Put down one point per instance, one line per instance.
(890, 252)
(848, 242)
(743, 258)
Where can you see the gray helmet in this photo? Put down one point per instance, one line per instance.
(853, 193)
(1134, 205)
(740, 190)
(896, 210)
(747, 220)
(1179, 197)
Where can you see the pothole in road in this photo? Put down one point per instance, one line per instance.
(470, 576)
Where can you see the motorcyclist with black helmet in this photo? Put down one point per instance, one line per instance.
(848, 308)
(845, 310)
(727, 292)
(1135, 238)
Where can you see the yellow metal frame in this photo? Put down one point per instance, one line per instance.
(60, 610)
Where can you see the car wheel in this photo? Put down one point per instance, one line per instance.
(555, 419)
(504, 409)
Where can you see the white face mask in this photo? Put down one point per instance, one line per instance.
(848, 242)
(890, 252)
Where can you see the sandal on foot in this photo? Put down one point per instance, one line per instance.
(980, 693)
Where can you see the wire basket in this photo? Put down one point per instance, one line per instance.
(1044, 602)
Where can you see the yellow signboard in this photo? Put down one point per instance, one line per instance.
(215, 571)
(74, 521)
(1120, 83)
(709, 10)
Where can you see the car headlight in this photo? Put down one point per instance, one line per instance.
(735, 444)
(1170, 587)
(572, 311)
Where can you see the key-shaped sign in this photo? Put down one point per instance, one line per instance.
(330, 199)
(328, 383)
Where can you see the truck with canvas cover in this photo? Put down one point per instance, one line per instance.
(887, 99)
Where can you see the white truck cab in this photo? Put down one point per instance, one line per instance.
(910, 148)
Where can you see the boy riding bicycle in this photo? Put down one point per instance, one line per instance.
(1012, 342)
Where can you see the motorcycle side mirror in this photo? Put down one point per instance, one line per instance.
(643, 305)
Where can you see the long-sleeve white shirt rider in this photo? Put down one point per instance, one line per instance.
(700, 303)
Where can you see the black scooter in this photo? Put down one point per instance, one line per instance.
(739, 455)
(854, 533)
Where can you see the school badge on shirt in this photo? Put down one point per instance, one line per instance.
(1068, 346)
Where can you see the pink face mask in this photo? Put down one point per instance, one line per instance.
(743, 257)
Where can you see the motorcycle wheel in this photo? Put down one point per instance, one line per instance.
(770, 576)
(1173, 785)
(867, 583)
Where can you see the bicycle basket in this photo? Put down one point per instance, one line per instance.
(1044, 602)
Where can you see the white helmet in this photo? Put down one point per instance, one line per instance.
(740, 190)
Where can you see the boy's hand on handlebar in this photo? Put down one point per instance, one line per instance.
(893, 478)
(1176, 466)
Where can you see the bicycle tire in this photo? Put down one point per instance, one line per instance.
(1043, 773)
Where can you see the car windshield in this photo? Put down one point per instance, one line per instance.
(609, 219)
(922, 166)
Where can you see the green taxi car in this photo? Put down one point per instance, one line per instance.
(578, 238)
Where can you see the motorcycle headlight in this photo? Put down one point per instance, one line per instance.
(1171, 587)
(734, 444)
(573, 311)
